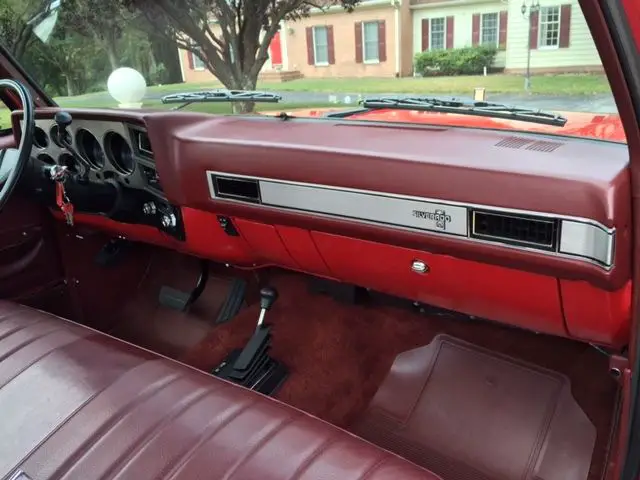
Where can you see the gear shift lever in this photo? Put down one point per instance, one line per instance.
(268, 296)
(252, 366)
(63, 121)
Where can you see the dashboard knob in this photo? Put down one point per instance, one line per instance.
(169, 220)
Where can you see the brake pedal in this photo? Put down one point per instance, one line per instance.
(234, 301)
(177, 299)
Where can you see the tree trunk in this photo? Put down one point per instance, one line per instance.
(243, 84)
(111, 55)
(166, 53)
(71, 91)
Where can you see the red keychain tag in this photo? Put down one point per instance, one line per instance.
(63, 202)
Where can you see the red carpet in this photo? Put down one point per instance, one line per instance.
(340, 354)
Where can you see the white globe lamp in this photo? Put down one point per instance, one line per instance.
(127, 86)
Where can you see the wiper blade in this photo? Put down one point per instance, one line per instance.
(482, 109)
(220, 95)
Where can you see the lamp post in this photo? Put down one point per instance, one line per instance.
(527, 11)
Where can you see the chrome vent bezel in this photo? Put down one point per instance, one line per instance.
(552, 224)
(240, 183)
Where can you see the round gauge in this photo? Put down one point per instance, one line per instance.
(47, 159)
(89, 147)
(54, 136)
(40, 139)
(119, 153)
(67, 160)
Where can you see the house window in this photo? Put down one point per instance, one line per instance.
(197, 62)
(437, 34)
(320, 46)
(370, 43)
(549, 27)
(489, 29)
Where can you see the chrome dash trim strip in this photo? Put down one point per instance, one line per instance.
(587, 241)
(421, 215)
(579, 238)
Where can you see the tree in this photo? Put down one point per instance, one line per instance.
(102, 21)
(231, 37)
(16, 32)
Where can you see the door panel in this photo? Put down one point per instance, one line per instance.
(29, 262)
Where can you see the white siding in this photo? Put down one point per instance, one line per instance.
(581, 50)
(463, 23)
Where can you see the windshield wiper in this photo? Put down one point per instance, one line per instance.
(221, 95)
(481, 109)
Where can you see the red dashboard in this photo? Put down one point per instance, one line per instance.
(529, 230)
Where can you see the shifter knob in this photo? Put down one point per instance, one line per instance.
(268, 296)
(63, 119)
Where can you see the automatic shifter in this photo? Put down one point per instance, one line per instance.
(268, 297)
(252, 367)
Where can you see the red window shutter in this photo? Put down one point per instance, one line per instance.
(475, 30)
(331, 51)
(425, 34)
(504, 20)
(533, 30)
(565, 26)
(310, 54)
(190, 60)
(358, 33)
(449, 33)
(382, 42)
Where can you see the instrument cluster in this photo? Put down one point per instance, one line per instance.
(109, 151)
(110, 171)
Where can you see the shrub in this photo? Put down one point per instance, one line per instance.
(457, 61)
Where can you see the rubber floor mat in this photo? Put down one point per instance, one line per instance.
(466, 413)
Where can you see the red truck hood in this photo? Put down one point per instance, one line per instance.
(579, 124)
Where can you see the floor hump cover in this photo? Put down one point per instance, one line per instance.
(467, 413)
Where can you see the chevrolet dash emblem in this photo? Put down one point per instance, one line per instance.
(440, 217)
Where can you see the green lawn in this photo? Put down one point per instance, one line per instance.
(543, 84)
(569, 84)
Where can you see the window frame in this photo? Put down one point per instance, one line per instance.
(364, 42)
(197, 62)
(541, 44)
(315, 60)
(444, 33)
(497, 42)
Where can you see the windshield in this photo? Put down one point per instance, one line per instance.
(391, 60)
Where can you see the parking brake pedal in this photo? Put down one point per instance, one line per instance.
(177, 299)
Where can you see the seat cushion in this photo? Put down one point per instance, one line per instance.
(78, 404)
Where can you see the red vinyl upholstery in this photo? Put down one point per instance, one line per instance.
(78, 404)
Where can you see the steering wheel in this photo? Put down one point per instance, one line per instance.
(11, 168)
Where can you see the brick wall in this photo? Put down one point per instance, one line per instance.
(345, 43)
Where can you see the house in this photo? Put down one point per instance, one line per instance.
(381, 38)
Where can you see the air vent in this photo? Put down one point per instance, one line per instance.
(245, 189)
(513, 142)
(523, 230)
(142, 143)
